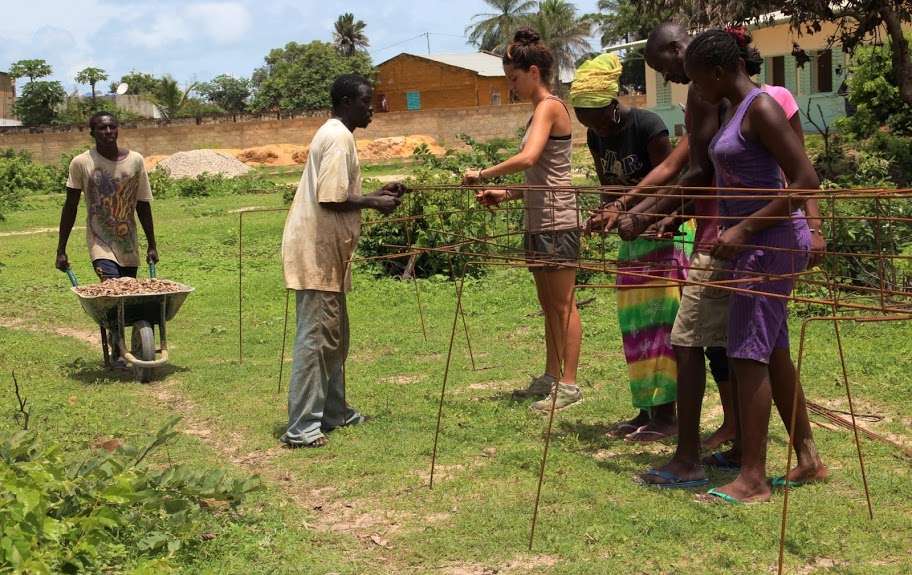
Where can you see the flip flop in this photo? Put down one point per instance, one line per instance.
(719, 498)
(651, 436)
(674, 482)
(620, 431)
(722, 463)
(780, 482)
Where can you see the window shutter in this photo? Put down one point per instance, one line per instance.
(791, 74)
(663, 91)
(761, 76)
(805, 77)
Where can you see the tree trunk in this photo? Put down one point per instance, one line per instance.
(902, 66)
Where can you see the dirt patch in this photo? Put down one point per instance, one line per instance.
(606, 454)
(92, 338)
(404, 379)
(520, 565)
(492, 385)
(34, 231)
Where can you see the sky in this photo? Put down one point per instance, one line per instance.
(196, 40)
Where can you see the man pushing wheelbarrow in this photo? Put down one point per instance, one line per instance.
(116, 186)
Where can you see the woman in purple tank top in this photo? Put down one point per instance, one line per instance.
(763, 237)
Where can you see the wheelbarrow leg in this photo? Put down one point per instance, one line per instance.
(161, 324)
(104, 347)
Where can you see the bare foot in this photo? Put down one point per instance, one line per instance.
(738, 491)
(720, 436)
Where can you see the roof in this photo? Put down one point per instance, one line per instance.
(481, 63)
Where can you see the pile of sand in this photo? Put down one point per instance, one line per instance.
(397, 147)
(197, 162)
(294, 154)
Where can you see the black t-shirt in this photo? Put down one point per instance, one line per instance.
(625, 157)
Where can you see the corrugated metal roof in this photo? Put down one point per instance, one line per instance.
(483, 63)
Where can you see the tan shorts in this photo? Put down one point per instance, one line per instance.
(702, 319)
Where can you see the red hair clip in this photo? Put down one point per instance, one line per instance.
(739, 35)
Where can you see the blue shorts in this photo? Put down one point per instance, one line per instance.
(109, 269)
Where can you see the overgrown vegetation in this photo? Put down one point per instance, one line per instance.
(108, 512)
(447, 216)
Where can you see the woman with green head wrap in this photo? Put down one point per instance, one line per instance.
(625, 144)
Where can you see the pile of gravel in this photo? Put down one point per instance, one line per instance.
(196, 162)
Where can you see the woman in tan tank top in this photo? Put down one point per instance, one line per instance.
(551, 237)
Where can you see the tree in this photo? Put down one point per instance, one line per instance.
(38, 102)
(169, 98)
(298, 76)
(91, 76)
(874, 94)
(619, 22)
(857, 21)
(227, 92)
(348, 35)
(493, 31)
(138, 83)
(30, 69)
(565, 34)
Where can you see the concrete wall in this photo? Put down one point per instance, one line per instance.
(482, 123)
(439, 85)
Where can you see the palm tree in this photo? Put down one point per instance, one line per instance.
(168, 97)
(349, 35)
(91, 76)
(565, 34)
(494, 31)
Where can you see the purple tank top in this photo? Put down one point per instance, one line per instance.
(740, 163)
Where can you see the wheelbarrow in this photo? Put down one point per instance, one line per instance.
(113, 313)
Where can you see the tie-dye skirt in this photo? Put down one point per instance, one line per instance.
(647, 299)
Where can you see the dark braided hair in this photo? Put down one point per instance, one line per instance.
(714, 48)
(753, 61)
(526, 51)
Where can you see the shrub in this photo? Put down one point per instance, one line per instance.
(205, 185)
(446, 216)
(867, 235)
(110, 512)
(873, 91)
(21, 176)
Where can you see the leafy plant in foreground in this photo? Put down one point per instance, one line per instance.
(109, 512)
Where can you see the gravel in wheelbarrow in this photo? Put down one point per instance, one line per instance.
(129, 286)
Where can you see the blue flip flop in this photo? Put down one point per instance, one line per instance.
(674, 482)
(723, 464)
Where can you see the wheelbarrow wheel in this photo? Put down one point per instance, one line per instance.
(143, 348)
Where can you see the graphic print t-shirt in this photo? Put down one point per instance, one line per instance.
(624, 158)
(111, 190)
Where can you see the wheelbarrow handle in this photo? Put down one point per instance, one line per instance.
(72, 277)
(152, 270)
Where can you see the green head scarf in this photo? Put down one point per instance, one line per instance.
(595, 84)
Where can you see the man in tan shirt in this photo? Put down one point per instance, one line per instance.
(321, 234)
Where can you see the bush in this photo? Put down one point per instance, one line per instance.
(110, 512)
(205, 185)
(447, 216)
(79, 110)
(21, 176)
(867, 235)
(873, 91)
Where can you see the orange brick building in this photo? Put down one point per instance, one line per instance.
(434, 81)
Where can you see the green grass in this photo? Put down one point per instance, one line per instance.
(362, 504)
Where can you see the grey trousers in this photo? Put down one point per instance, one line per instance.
(316, 392)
